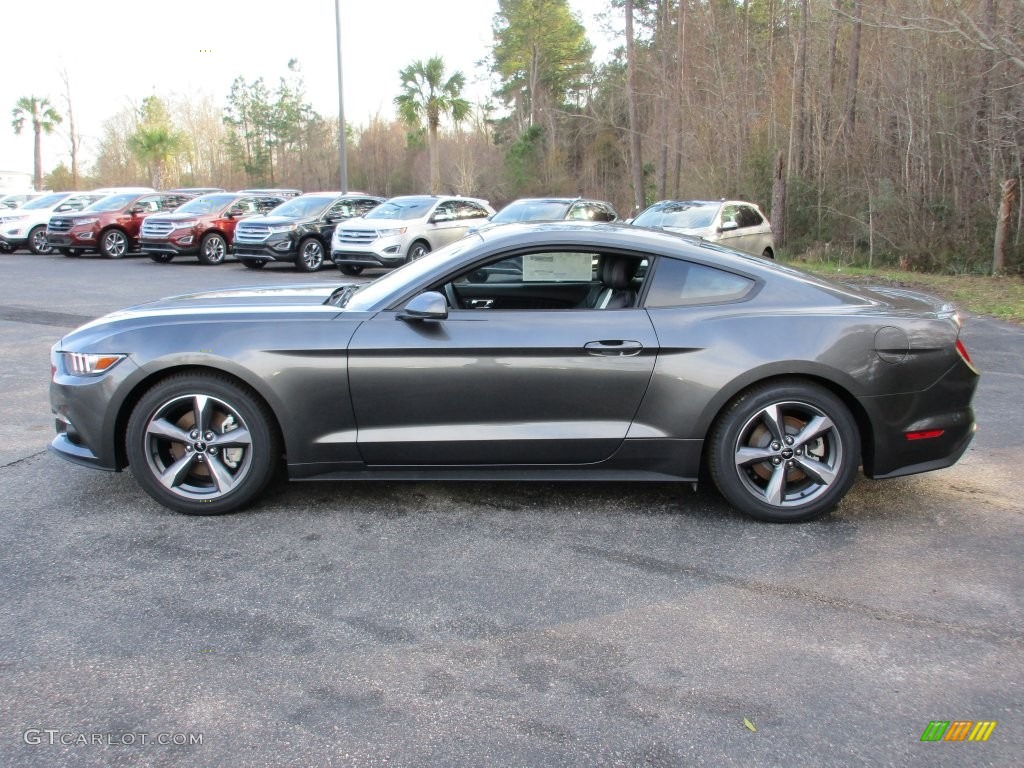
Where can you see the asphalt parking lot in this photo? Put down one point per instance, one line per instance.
(492, 624)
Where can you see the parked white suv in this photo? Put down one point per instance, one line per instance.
(404, 229)
(25, 227)
(733, 223)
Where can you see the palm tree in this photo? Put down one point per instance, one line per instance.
(425, 92)
(155, 146)
(44, 119)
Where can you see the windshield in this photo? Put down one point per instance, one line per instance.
(46, 201)
(531, 210)
(402, 208)
(77, 202)
(681, 215)
(206, 204)
(393, 284)
(302, 207)
(112, 203)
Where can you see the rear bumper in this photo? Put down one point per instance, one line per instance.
(944, 409)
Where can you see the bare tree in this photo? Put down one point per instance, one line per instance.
(635, 160)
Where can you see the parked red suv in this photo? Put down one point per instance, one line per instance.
(111, 225)
(203, 227)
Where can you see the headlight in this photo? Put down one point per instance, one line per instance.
(282, 228)
(82, 364)
(12, 219)
(86, 220)
(391, 232)
(186, 224)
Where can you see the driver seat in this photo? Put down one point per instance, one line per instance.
(616, 288)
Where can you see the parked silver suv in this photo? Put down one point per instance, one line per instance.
(404, 229)
(733, 223)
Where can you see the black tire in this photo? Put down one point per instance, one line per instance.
(351, 269)
(114, 244)
(311, 255)
(768, 253)
(68, 252)
(417, 250)
(254, 263)
(162, 258)
(37, 241)
(202, 444)
(785, 451)
(213, 249)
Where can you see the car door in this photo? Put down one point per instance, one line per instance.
(485, 386)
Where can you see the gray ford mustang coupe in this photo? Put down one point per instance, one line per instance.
(558, 351)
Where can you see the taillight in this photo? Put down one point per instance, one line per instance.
(927, 434)
(962, 351)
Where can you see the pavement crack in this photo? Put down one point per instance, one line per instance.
(23, 458)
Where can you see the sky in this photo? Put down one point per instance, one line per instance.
(116, 53)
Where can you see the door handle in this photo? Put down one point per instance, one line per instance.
(613, 348)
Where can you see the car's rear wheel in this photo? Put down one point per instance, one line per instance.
(254, 263)
(768, 253)
(37, 242)
(785, 451)
(68, 252)
(114, 244)
(213, 249)
(311, 255)
(162, 258)
(350, 269)
(417, 250)
(202, 444)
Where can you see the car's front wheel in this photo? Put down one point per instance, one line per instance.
(254, 263)
(350, 269)
(311, 255)
(213, 249)
(785, 451)
(202, 444)
(114, 244)
(37, 242)
(417, 250)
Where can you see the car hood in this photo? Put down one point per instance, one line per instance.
(274, 221)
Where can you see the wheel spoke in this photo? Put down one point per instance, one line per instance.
(750, 455)
(238, 436)
(164, 428)
(176, 473)
(818, 471)
(199, 405)
(223, 479)
(773, 421)
(812, 429)
(776, 486)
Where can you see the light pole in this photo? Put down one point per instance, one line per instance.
(342, 162)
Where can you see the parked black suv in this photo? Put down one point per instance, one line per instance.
(298, 231)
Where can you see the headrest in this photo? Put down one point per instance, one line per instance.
(618, 271)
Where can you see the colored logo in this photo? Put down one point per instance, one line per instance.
(958, 730)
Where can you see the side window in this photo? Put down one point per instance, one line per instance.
(444, 212)
(148, 204)
(730, 214)
(340, 210)
(364, 205)
(264, 204)
(682, 283)
(580, 212)
(749, 217)
(467, 210)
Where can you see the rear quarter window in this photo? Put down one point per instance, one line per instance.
(683, 283)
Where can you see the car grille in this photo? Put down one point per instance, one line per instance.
(157, 228)
(251, 233)
(355, 236)
(60, 225)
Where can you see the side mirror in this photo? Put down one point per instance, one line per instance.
(136, 209)
(233, 213)
(425, 306)
(728, 226)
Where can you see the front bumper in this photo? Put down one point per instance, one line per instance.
(84, 239)
(169, 246)
(367, 258)
(283, 248)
